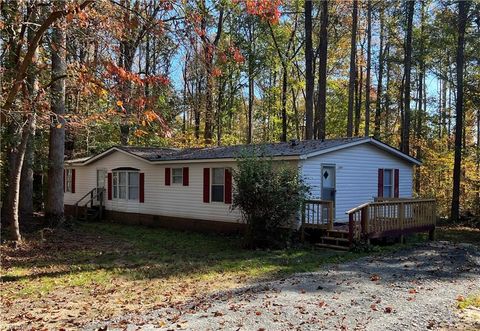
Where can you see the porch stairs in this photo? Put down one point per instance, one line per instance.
(91, 206)
(334, 239)
(91, 214)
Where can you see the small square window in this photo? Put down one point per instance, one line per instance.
(177, 175)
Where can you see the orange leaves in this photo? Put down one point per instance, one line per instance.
(124, 75)
(237, 56)
(157, 79)
(374, 278)
(216, 72)
(140, 133)
(150, 115)
(267, 10)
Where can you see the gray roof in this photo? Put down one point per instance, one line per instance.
(304, 148)
(294, 148)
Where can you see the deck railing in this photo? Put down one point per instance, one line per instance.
(317, 214)
(394, 217)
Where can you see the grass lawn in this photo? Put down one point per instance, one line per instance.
(102, 270)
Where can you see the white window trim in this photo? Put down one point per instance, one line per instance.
(171, 177)
(211, 185)
(127, 185)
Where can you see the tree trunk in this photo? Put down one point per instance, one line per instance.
(309, 75)
(26, 181)
(419, 122)
(321, 109)
(54, 209)
(283, 138)
(208, 132)
(358, 100)
(405, 145)
(295, 113)
(198, 107)
(462, 22)
(477, 211)
(351, 84)
(381, 63)
(251, 91)
(369, 59)
(14, 185)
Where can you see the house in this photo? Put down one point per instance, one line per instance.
(192, 188)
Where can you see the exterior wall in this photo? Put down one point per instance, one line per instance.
(356, 175)
(175, 200)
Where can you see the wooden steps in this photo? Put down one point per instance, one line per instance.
(91, 214)
(338, 247)
(335, 239)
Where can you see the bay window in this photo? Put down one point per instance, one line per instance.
(125, 184)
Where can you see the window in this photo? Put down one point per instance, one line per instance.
(177, 175)
(218, 184)
(125, 185)
(133, 185)
(387, 183)
(68, 180)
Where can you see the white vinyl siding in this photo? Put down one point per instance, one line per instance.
(356, 175)
(175, 200)
(356, 183)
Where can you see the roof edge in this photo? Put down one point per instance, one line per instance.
(365, 140)
(105, 153)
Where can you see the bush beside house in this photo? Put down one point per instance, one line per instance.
(269, 197)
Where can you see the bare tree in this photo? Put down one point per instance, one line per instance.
(351, 83)
(463, 7)
(309, 79)
(321, 106)
(54, 209)
(405, 141)
(369, 60)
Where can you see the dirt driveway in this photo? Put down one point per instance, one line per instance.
(414, 289)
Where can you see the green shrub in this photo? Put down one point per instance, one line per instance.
(269, 195)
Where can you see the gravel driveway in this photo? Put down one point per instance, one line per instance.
(413, 289)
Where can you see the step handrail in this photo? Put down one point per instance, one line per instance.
(97, 195)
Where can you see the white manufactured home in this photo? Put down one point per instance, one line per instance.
(192, 188)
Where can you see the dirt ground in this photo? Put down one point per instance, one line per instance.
(413, 289)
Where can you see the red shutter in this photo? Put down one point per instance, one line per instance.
(185, 176)
(228, 185)
(380, 183)
(167, 176)
(109, 183)
(206, 185)
(396, 184)
(141, 188)
(64, 180)
(73, 180)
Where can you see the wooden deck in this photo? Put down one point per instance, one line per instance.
(378, 219)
